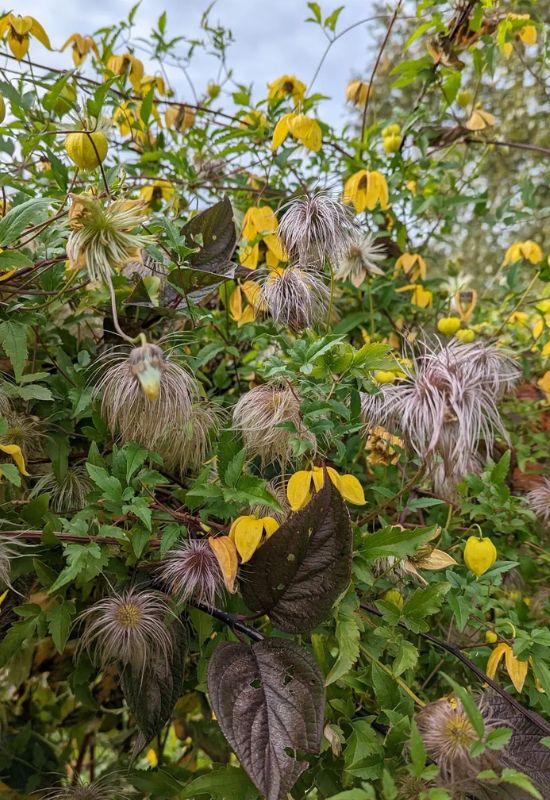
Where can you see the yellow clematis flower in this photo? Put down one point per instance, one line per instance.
(366, 190)
(156, 191)
(254, 119)
(244, 302)
(129, 64)
(286, 86)
(249, 532)
(81, 46)
(480, 120)
(260, 226)
(304, 483)
(357, 92)
(544, 384)
(528, 34)
(17, 30)
(420, 296)
(413, 265)
(180, 117)
(516, 669)
(304, 129)
(226, 554)
(149, 82)
(14, 451)
(528, 250)
(479, 554)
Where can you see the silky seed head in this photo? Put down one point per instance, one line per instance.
(315, 229)
(145, 395)
(128, 627)
(259, 415)
(192, 571)
(539, 501)
(295, 298)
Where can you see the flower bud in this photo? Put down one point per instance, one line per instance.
(466, 335)
(394, 597)
(357, 92)
(213, 90)
(86, 150)
(384, 376)
(448, 325)
(391, 143)
(479, 554)
(464, 98)
(490, 637)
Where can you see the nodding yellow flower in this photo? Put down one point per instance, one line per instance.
(286, 86)
(392, 143)
(249, 532)
(527, 250)
(420, 296)
(87, 150)
(357, 92)
(516, 669)
(464, 302)
(180, 117)
(413, 265)
(479, 554)
(411, 186)
(528, 34)
(448, 326)
(81, 46)
(304, 129)
(465, 335)
(254, 119)
(154, 192)
(249, 292)
(365, 190)
(304, 483)
(507, 49)
(127, 64)
(17, 30)
(260, 227)
(14, 451)
(149, 82)
(385, 376)
(544, 384)
(480, 120)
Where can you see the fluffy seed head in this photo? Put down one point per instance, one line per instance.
(448, 736)
(103, 237)
(6, 555)
(105, 788)
(539, 500)
(192, 570)
(128, 628)
(259, 415)
(359, 258)
(146, 397)
(187, 447)
(315, 229)
(25, 431)
(295, 298)
(446, 406)
(69, 493)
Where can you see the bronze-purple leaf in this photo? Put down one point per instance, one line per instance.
(152, 694)
(299, 573)
(269, 700)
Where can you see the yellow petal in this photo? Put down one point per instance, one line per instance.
(236, 304)
(249, 256)
(495, 659)
(5, 275)
(281, 131)
(270, 526)
(14, 451)
(528, 34)
(351, 490)
(298, 489)
(274, 244)
(516, 669)
(38, 31)
(248, 315)
(18, 47)
(21, 25)
(226, 555)
(247, 536)
(251, 291)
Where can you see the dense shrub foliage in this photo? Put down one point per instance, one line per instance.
(274, 414)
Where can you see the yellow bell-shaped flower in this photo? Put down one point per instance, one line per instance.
(479, 554)
(249, 532)
(303, 483)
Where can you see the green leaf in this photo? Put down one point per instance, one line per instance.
(519, 779)
(221, 784)
(498, 738)
(13, 338)
(15, 637)
(59, 623)
(422, 604)
(348, 632)
(393, 541)
(417, 750)
(469, 705)
(20, 217)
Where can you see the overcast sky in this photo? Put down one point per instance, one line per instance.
(271, 38)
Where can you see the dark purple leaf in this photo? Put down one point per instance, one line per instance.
(269, 700)
(299, 573)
